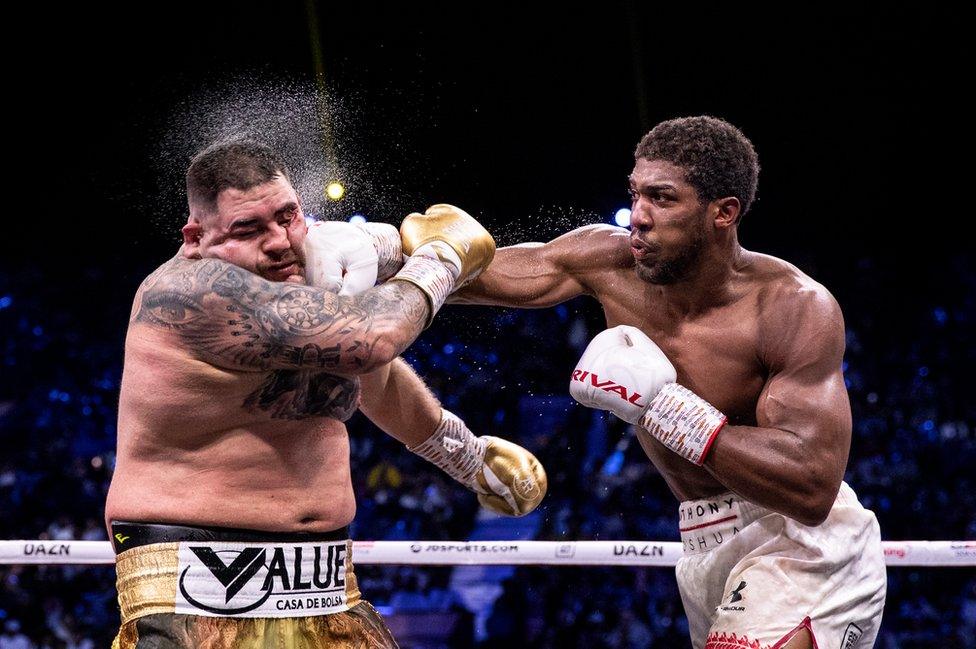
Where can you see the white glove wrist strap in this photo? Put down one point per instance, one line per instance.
(455, 449)
(389, 249)
(683, 421)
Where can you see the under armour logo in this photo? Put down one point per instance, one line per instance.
(735, 596)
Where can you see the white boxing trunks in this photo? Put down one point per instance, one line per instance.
(752, 578)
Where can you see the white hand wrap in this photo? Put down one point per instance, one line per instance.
(455, 449)
(683, 421)
(623, 371)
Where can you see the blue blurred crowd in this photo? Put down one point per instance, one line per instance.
(505, 373)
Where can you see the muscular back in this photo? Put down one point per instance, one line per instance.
(233, 395)
(725, 352)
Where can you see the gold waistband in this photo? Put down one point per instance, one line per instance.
(148, 578)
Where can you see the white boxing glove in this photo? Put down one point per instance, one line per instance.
(348, 259)
(623, 371)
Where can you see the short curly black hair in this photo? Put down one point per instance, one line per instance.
(718, 159)
(238, 163)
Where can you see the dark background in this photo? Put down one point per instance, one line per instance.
(857, 112)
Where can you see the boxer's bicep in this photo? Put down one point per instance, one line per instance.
(534, 275)
(805, 394)
(793, 460)
(231, 318)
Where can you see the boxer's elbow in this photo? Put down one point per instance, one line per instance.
(390, 342)
(812, 514)
(816, 500)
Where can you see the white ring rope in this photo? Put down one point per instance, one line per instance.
(483, 553)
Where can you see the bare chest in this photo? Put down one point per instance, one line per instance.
(174, 382)
(300, 394)
(716, 354)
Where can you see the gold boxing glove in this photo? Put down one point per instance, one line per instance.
(457, 238)
(507, 478)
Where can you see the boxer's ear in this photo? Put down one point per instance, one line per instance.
(192, 233)
(727, 212)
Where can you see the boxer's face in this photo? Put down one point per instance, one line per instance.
(667, 222)
(261, 229)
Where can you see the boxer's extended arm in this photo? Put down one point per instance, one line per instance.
(232, 318)
(535, 275)
(399, 403)
(794, 461)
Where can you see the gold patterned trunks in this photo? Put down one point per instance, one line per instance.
(215, 588)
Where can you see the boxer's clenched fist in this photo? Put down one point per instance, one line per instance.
(339, 257)
(348, 258)
(623, 371)
(446, 248)
(453, 236)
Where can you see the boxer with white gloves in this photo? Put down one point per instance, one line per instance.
(778, 550)
(444, 249)
(623, 371)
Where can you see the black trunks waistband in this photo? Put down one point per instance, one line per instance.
(127, 535)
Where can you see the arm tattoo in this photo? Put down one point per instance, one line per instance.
(234, 318)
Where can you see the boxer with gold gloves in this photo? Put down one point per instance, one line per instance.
(231, 496)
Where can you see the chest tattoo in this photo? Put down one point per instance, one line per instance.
(301, 394)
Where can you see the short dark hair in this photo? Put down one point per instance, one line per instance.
(718, 159)
(238, 164)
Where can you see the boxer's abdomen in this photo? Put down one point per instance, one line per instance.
(202, 445)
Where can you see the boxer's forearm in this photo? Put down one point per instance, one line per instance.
(399, 403)
(232, 318)
(777, 469)
(520, 276)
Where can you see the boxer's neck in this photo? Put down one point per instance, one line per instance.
(711, 283)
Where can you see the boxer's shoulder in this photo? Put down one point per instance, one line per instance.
(780, 283)
(179, 271)
(596, 247)
(177, 281)
(791, 304)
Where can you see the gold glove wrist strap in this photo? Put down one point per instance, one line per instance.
(430, 276)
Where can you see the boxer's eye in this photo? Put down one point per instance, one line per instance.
(171, 310)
